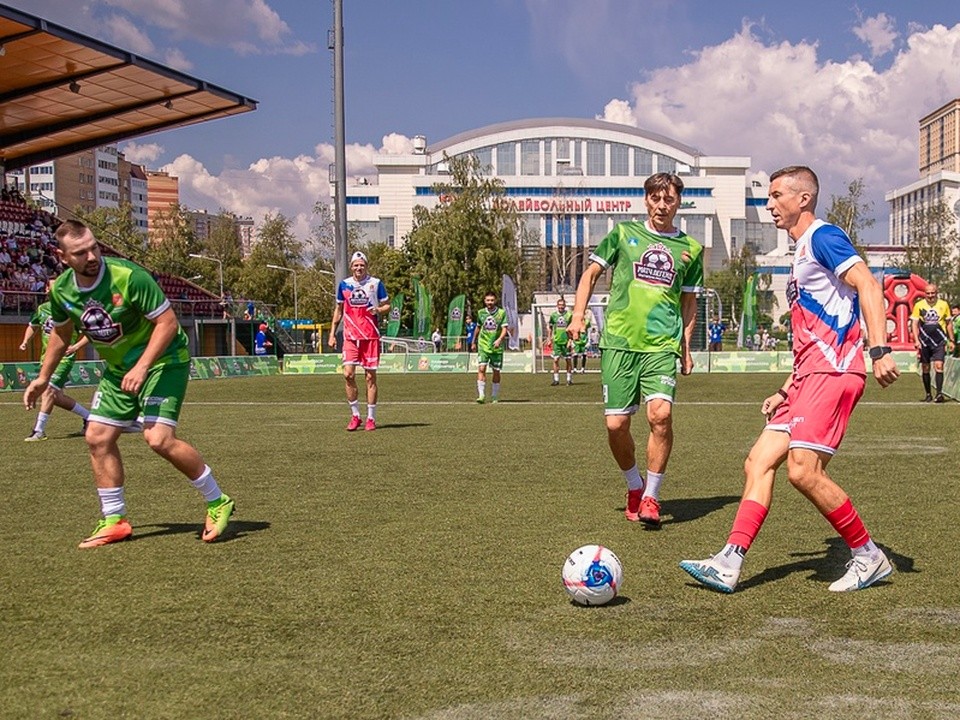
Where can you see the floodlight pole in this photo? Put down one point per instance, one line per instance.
(339, 145)
(219, 264)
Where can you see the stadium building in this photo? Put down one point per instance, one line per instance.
(572, 180)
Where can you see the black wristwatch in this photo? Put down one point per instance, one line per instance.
(879, 351)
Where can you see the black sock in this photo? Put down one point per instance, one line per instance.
(939, 377)
(926, 382)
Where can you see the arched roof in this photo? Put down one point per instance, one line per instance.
(563, 127)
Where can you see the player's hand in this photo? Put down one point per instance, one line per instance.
(770, 404)
(496, 343)
(332, 341)
(473, 347)
(686, 363)
(885, 370)
(33, 392)
(23, 346)
(133, 381)
(575, 328)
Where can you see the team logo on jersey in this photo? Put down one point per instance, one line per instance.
(561, 321)
(358, 298)
(48, 326)
(98, 324)
(655, 266)
(117, 299)
(490, 323)
(793, 292)
(930, 316)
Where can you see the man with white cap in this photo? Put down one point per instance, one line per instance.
(361, 299)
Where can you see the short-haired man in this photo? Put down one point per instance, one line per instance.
(361, 300)
(490, 335)
(932, 330)
(120, 307)
(560, 341)
(829, 287)
(715, 330)
(649, 321)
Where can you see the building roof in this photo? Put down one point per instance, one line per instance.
(62, 92)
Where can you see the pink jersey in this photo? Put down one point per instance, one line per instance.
(825, 311)
(360, 300)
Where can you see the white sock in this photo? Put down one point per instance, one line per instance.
(632, 476)
(730, 557)
(653, 484)
(355, 408)
(80, 410)
(111, 501)
(569, 377)
(481, 388)
(41, 422)
(496, 389)
(556, 377)
(869, 550)
(207, 485)
(372, 412)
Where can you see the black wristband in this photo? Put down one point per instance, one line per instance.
(781, 393)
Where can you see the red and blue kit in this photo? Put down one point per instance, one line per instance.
(361, 333)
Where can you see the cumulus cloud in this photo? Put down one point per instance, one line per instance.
(879, 33)
(780, 104)
(175, 58)
(291, 186)
(127, 35)
(141, 153)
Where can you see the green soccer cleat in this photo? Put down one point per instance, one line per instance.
(218, 517)
(481, 400)
(111, 529)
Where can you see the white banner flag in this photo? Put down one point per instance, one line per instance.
(508, 302)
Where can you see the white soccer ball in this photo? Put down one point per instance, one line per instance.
(592, 575)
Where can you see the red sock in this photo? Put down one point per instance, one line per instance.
(746, 525)
(846, 521)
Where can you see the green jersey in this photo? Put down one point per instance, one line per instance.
(490, 324)
(116, 313)
(580, 344)
(42, 319)
(650, 271)
(559, 321)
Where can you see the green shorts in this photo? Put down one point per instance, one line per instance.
(560, 350)
(61, 376)
(493, 359)
(580, 348)
(630, 378)
(159, 400)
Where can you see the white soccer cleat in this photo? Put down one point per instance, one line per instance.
(711, 573)
(862, 572)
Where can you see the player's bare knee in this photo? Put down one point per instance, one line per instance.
(159, 438)
(617, 424)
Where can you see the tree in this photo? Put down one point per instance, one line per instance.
(172, 242)
(115, 227)
(276, 245)
(934, 244)
(851, 212)
(467, 242)
(223, 244)
(732, 279)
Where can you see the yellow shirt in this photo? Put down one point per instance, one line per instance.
(929, 314)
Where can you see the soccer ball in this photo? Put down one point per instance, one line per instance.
(592, 575)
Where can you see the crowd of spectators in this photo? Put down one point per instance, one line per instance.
(28, 257)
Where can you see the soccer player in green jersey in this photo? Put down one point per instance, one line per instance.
(120, 307)
(54, 395)
(580, 346)
(560, 341)
(649, 319)
(491, 332)
(955, 319)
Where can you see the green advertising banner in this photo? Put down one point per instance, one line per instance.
(325, 364)
(438, 362)
(396, 313)
(951, 378)
(455, 320)
(422, 314)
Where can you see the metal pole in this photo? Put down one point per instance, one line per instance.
(339, 142)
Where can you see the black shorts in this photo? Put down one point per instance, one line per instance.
(928, 355)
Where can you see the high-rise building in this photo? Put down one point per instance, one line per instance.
(163, 195)
(940, 139)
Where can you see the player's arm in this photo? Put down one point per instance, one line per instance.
(859, 277)
(165, 328)
(78, 345)
(584, 290)
(503, 333)
(56, 349)
(27, 334)
(772, 402)
(334, 321)
(688, 313)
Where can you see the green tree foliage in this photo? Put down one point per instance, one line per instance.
(276, 245)
(851, 212)
(172, 242)
(223, 244)
(730, 282)
(933, 246)
(468, 242)
(115, 227)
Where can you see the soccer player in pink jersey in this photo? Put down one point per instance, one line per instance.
(361, 299)
(829, 287)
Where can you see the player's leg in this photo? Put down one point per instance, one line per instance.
(351, 358)
(47, 403)
(938, 373)
(481, 378)
(163, 393)
(569, 368)
(372, 392)
(556, 367)
(496, 364)
(658, 387)
(925, 373)
(621, 398)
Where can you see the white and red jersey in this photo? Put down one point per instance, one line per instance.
(360, 299)
(825, 311)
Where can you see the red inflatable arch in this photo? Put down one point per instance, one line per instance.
(900, 292)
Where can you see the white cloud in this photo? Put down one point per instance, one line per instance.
(127, 35)
(290, 186)
(879, 33)
(780, 104)
(177, 60)
(141, 154)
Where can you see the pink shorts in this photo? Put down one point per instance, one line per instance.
(365, 353)
(817, 410)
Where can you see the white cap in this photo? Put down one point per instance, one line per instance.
(358, 256)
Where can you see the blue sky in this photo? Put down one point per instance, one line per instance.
(837, 85)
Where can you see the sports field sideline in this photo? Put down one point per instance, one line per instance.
(413, 572)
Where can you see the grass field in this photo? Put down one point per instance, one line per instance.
(414, 572)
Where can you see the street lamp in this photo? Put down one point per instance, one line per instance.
(296, 307)
(219, 267)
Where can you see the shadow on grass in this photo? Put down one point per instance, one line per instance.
(618, 600)
(825, 566)
(685, 510)
(397, 426)
(236, 529)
